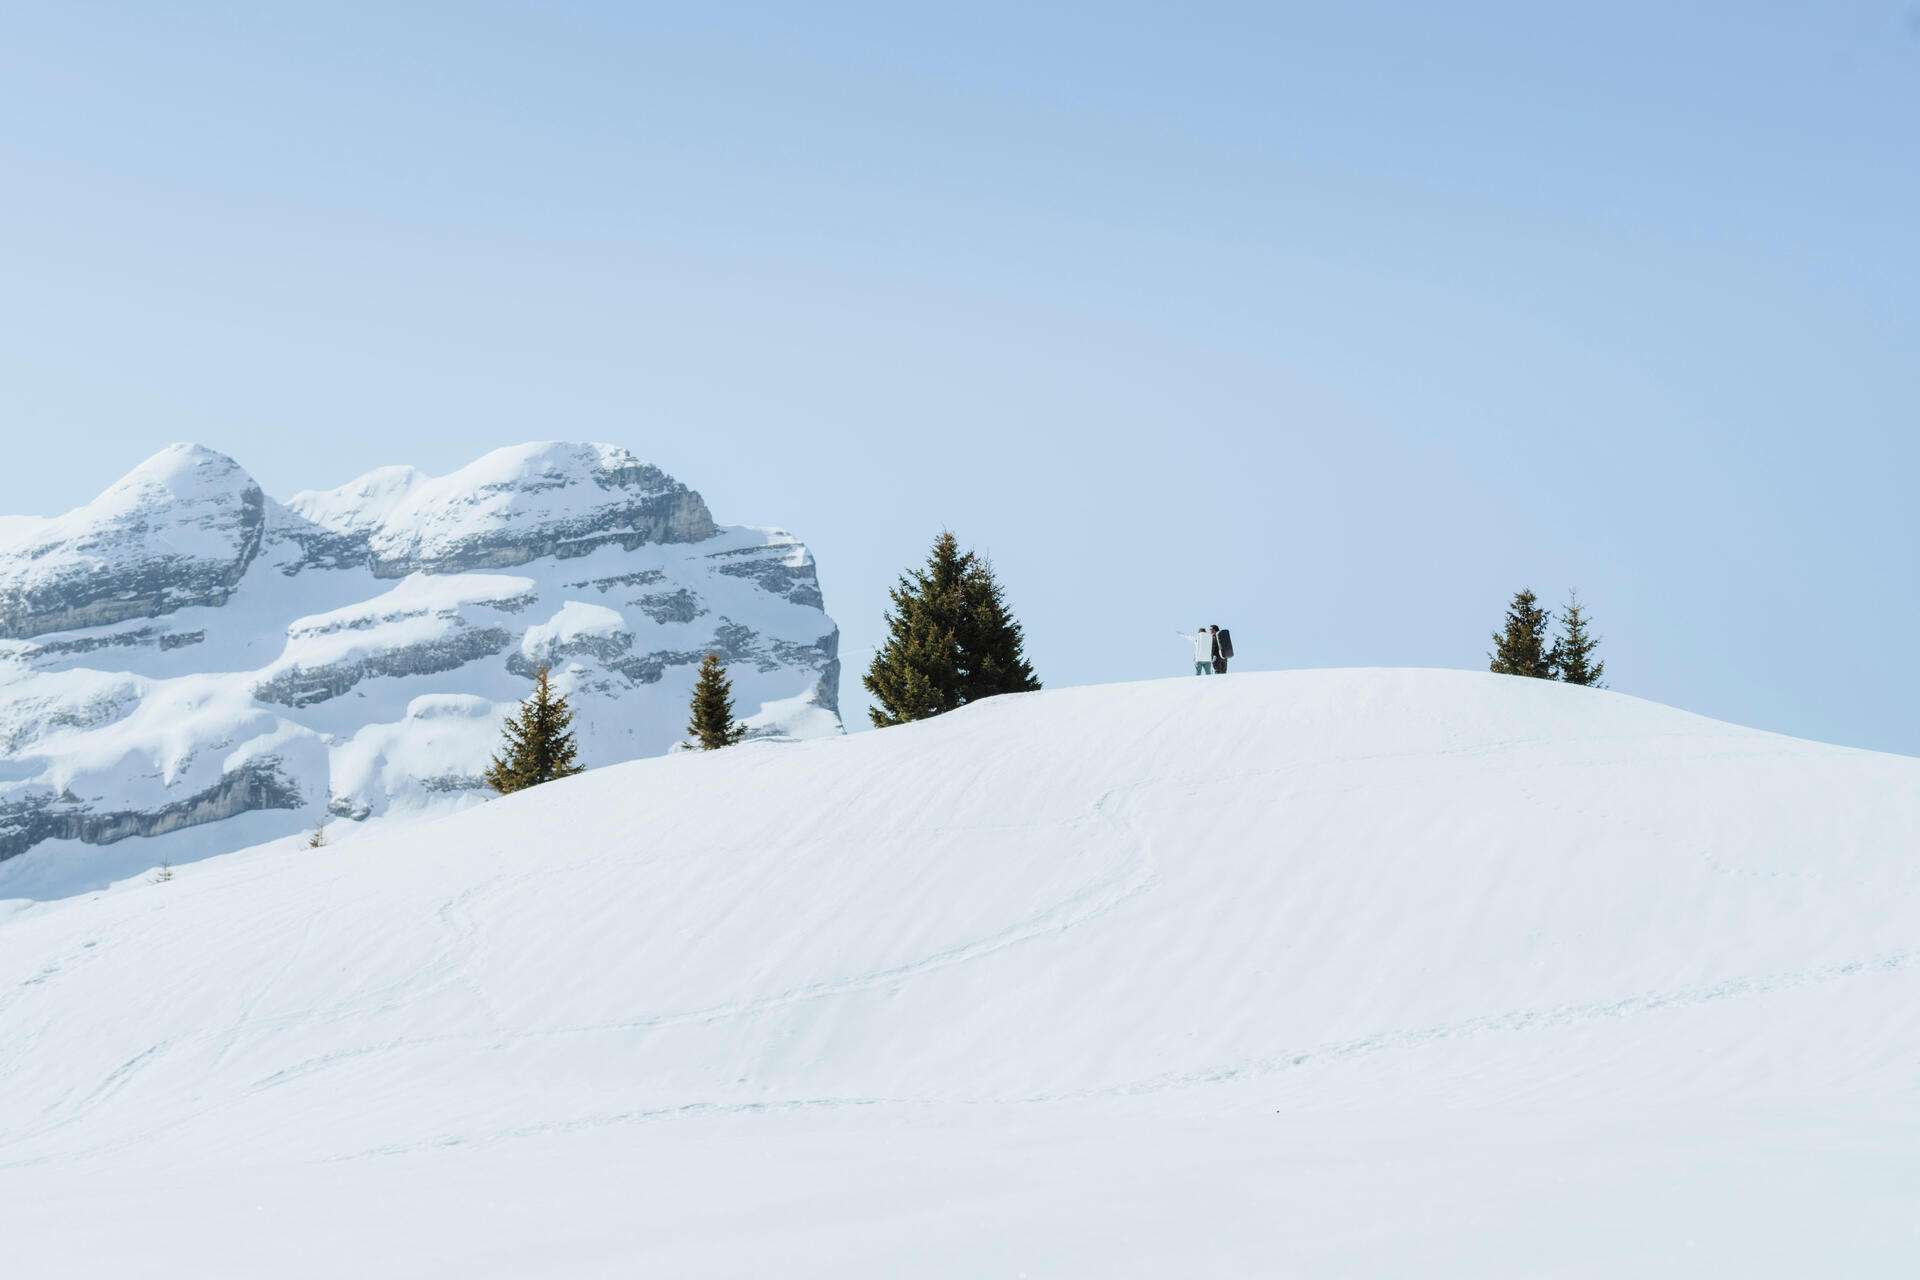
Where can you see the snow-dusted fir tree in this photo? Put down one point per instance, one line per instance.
(539, 746)
(950, 640)
(1520, 649)
(713, 725)
(1572, 656)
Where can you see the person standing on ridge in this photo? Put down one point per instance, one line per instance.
(1202, 649)
(1222, 648)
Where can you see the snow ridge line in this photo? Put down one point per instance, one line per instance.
(684, 1110)
(1494, 1024)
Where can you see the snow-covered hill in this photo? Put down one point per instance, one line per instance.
(1363, 973)
(186, 655)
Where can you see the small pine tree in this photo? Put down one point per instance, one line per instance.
(951, 640)
(1572, 656)
(164, 873)
(1521, 649)
(713, 725)
(317, 838)
(538, 746)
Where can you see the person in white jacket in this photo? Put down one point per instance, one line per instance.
(1202, 650)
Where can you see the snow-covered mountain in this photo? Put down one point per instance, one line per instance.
(184, 650)
(1313, 974)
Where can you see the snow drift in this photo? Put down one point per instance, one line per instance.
(1073, 951)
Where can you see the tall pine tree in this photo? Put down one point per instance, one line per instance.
(538, 745)
(992, 644)
(1572, 656)
(1521, 649)
(916, 674)
(713, 725)
(950, 640)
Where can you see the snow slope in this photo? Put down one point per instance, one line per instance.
(1339, 973)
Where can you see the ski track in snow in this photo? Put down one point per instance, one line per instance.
(1385, 1042)
(1382, 973)
(581, 1124)
(1553, 1018)
(455, 963)
(1135, 876)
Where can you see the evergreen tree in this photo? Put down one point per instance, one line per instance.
(916, 674)
(991, 642)
(1521, 650)
(713, 725)
(1572, 656)
(538, 746)
(950, 640)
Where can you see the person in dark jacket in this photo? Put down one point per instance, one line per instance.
(1219, 659)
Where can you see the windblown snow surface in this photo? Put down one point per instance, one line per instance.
(1348, 973)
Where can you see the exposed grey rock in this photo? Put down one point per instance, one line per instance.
(72, 644)
(34, 715)
(85, 642)
(259, 784)
(178, 531)
(771, 571)
(610, 649)
(650, 668)
(304, 686)
(672, 606)
(740, 644)
(347, 807)
(644, 577)
(445, 783)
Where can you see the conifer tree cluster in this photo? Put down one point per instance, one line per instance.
(1520, 647)
(539, 745)
(951, 640)
(713, 725)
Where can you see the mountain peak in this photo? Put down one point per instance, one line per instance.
(177, 530)
(545, 498)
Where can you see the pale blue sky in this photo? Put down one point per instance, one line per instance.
(1332, 323)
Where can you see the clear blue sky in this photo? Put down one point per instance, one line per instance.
(1333, 323)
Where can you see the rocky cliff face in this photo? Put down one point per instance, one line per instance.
(184, 649)
(180, 529)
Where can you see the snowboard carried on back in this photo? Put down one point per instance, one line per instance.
(1224, 639)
